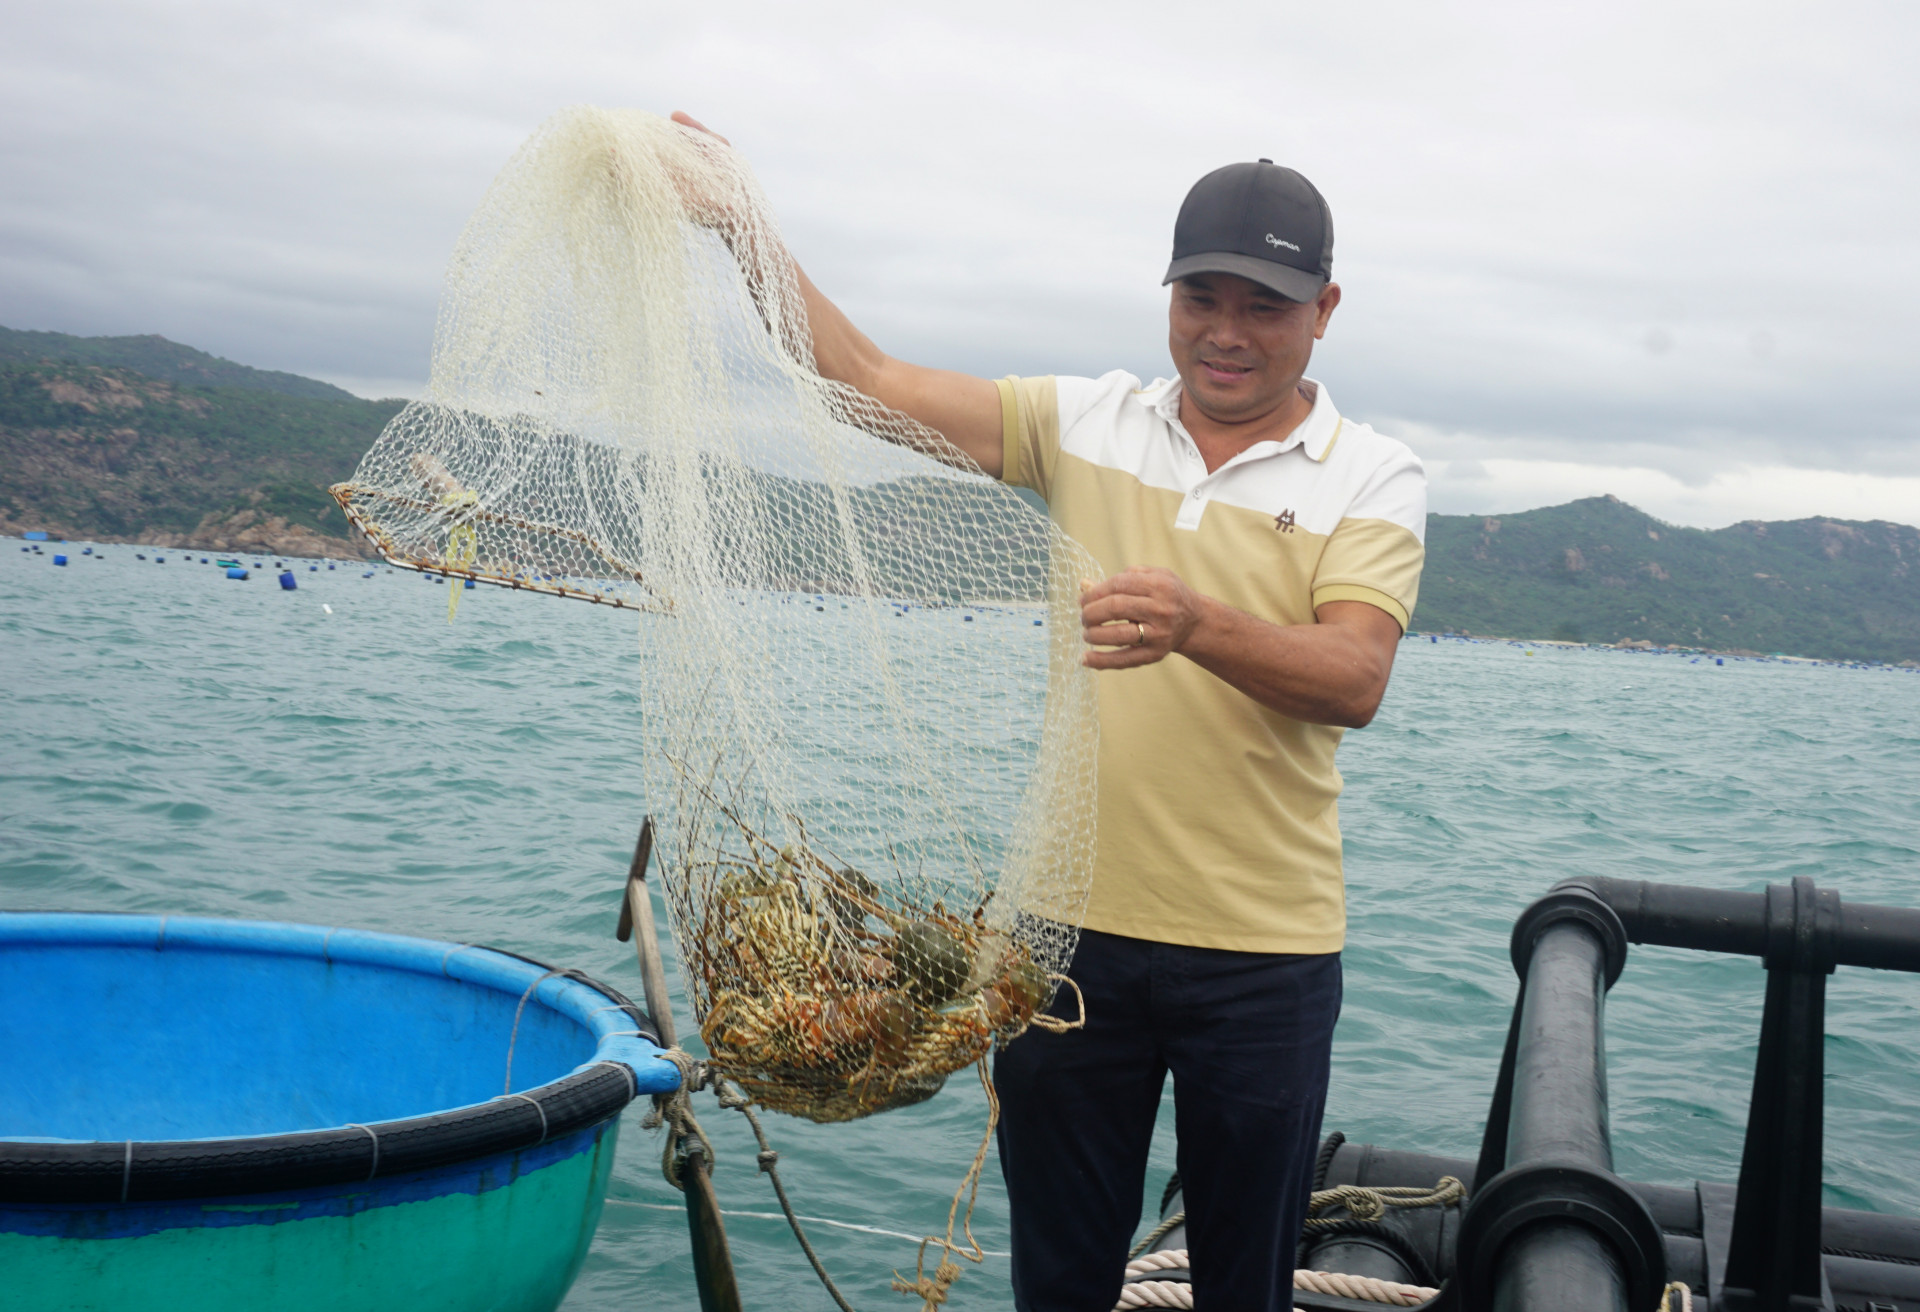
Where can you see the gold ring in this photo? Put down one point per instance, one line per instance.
(1141, 641)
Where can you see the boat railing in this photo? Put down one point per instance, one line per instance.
(1550, 1224)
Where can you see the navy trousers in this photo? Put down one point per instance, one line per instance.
(1247, 1037)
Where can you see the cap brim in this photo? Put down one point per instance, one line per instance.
(1294, 284)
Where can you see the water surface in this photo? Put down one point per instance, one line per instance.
(177, 742)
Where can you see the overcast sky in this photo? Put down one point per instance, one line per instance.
(1665, 250)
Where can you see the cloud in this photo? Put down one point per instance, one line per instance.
(1638, 237)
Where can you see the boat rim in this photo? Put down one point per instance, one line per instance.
(626, 1063)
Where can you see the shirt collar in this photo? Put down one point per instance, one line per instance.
(1314, 435)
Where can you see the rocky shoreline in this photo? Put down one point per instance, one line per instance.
(246, 531)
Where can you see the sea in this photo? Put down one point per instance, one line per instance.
(174, 741)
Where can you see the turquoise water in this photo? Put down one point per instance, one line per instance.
(174, 741)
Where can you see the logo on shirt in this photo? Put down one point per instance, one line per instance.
(1284, 521)
(1282, 241)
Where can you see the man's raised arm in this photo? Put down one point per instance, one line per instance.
(963, 409)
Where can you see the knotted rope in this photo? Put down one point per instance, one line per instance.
(675, 1110)
(1362, 1203)
(933, 1289)
(1370, 1204)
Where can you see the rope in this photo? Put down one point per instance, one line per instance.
(1686, 1297)
(1363, 1287)
(506, 1097)
(1324, 1162)
(732, 1096)
(675, 1110)
(374, 1169)
(1053, 1024)
(933, 1289)
(1419, 1270)
(514, 1037)
(1362, 1204)
(1370, 1204)
(1142, 1290)
(1159, 1232)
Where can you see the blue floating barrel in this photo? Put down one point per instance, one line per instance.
(222, 1115)
(1037, 623)
(59, 560)
(967, 618)
(329, 564)
(86, 551)
(287, 581)
(469, 583)
(235, 572)
(312, 569)
(1717, 660)
(1433, 637)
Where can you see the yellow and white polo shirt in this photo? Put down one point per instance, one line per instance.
(1218, 821)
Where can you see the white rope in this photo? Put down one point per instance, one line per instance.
(633, 1081)
(1363, 1287)
(1155, 1293)
(1179, 1294)
(536, 1106)
(374, 1169)
(1166, 1259)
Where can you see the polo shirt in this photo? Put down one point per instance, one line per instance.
(1218, 819)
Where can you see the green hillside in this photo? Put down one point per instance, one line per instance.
(142, 438)
(111, 453)
(156, 357)
(1599, 570)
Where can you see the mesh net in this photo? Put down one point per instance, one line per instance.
(867, 725)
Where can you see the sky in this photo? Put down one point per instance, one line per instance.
(1668, 251)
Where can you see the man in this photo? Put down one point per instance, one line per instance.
(1262, 556)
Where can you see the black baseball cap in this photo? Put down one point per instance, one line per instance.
(1260, 221)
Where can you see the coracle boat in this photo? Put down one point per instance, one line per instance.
(215, 1114)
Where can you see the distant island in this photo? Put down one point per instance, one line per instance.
(139, 439)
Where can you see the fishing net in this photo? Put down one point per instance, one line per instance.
(865, 718)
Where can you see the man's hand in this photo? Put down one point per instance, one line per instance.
(963, 409)
(1144, 614)
(1333, 671)
(687, 120)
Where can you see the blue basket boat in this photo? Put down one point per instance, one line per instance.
(216, 1114)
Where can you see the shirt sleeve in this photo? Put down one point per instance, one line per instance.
(1029, 432)
(1376, 552)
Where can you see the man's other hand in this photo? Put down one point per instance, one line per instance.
(1140, 615)
(1333, 671)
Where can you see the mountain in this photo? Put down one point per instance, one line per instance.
(107, 451)
(140, 438)
(156, 357)
(1598, 570)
